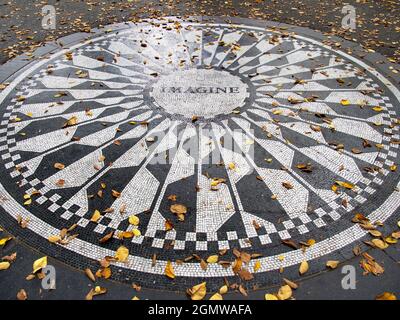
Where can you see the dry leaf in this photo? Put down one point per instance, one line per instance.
(21, 295)
(180, 210)
(122, 254)
(270, 297)
(3, 241)
(59, 166)
(285, 292)
(332, 264)
(303, 267)
(96, 216)
(291, 284)
(386, 296)
(107, 237)
(169, 270)
(134, 220)
(216, 296)
(4, 265)
(257, 265)
(212, 259)
(39, 264)
(90, 274)
(54, 239)
(198, 292)
(95, 292)
(71, 122)
(223, 289)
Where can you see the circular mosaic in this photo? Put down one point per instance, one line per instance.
(180, 140)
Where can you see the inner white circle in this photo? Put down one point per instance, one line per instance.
(199, 92)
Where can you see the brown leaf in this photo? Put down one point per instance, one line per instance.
(245, 275)
(90, 274)
(21, 295)
(59, 166)
(287, 185)
(291, 284)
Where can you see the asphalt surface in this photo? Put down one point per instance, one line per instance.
(378, 22)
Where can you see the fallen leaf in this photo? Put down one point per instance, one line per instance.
(257, 265)
(169, 270)
(90, 274)
(59, 166)
(198, 292)
(284, 293)
(95, 292)
(107, 237)
(303, 267)
(54, 239)
(346, 185)
(270, 297)
(4, 265)
(39, 264)
(180, 210)
(71, 122)
(96, 216)
(21, 295)
(134, 220)
(212, 259)
(122, 254)
(291, 284)
(386, 296)
(3, 241)
(10, 258)
(223, 289)
(216, 296)
(332, 264)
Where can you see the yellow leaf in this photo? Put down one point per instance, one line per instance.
(134, 220)
(303, 267)
(223, 289)
(379, 243)
(393, 168)
(135, 298)
(39, 264)
(3, 241)
(28, 202)
(346, 185)
(54, 239)
(212, 259)
(270, 297)
(231, 166)
(386, 296)
(216, 296)
(169, 270)
(4, 265)
(284, 293)
(136, 232)
(310, 242)
(71, 122)
(345, 102)
(377, 109)
(257, 265)
(122, 254)
(198, 292)
(96, 216)
(332, 264)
